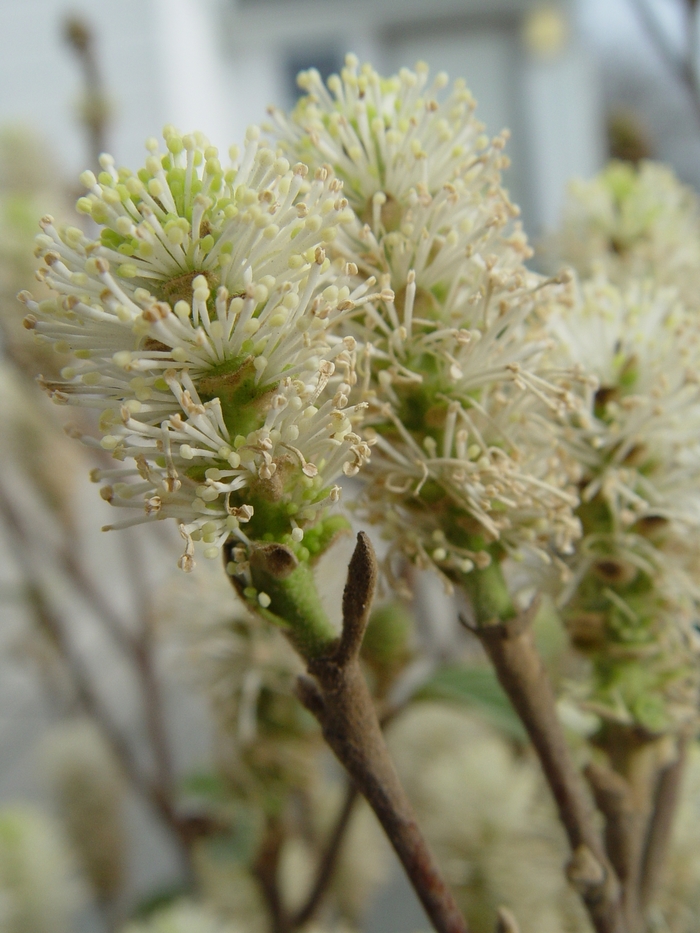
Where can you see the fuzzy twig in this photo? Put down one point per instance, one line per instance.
(337, 694)
(521, 672)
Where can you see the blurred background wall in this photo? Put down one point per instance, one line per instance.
(216, 64)
(551, 72)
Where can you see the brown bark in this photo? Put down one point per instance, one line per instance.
(521, 672)
(337, 694)
(661, 825)
(637, 794)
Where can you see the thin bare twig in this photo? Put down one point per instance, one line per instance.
(95, 110)
(682, 67)
(624, 797)
(661, 824)
(521, 672)
(613, 798)
(265, 870)
(154, 715)
(337, 694)
(144, 660)
(113, 624)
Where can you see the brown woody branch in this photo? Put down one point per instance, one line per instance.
(337, 694)
(625, 827)
(637, 793)
(521, 672)
(661, 824)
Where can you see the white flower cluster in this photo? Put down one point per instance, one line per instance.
(632, 600)
(640, 444)
(453, 371)
(199, 329)
(633, 222)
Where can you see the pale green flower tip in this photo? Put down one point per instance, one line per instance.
(88, 180)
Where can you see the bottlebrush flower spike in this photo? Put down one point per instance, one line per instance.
(199, 326)
(463, 412)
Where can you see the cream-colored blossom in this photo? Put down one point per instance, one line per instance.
(198, 326)
(639, 443)
(383, 134)
(632, 599)
(421, 176)
(29, 185)
(633, 222)
(452, 372)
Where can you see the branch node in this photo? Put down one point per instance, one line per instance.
(610, 790)
(585, 872)
(506, 922)
(276, 559)
(509, 628)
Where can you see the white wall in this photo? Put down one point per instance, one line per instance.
(160, 63)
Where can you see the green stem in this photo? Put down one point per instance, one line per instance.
(282, 588)
(489, 594)
(296, 607)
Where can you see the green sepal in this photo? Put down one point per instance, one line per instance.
(324, 534)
